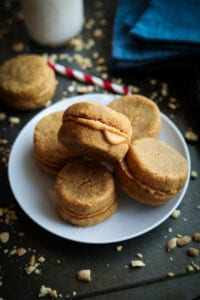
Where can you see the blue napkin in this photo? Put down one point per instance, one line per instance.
(135, 21)
(169, 21)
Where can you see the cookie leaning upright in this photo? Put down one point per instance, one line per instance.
(26, 82)
(152, 172)
(50, 154)
(95, 131)
(143, 114)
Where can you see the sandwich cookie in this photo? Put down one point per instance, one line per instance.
(26, 82)
(50, 154)
(152, 172)
(143, 114)
(95, 131)
(85, 193)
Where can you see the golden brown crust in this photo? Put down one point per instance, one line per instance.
(85, 192)
(26, 82)
(49, 152)
(143, 114)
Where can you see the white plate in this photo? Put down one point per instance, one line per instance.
(34, 190)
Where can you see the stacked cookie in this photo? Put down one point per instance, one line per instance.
(124, 133)
(26, 82)
(51, 155)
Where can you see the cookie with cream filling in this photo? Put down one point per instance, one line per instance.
(95, 131)
(85, 192)
(152, 172)
(50, 154)
(143, 114)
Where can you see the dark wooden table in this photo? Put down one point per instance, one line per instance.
(112, 275)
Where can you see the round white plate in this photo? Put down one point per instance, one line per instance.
(34, 190)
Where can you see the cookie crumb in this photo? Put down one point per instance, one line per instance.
(194, 174)
(172, 106)
(191, 136)
(195, 266)
(30, 269)
(13, 252)
(134, 89)
(32, 260)
(21, 251)
(47, 291)
(1, 211)
(18, 47)
(184, 240)
(176, 214)
(84, 275)
(103, 22)
(41, 259)
(4, 237)
(98, 33)
(171, 274)
(32, 266)
(164, 89)
(190, 268)
(193, 251)
(196, 236)
(53, 294)
(119, 248)
(71, 88)
(172, 243)
(84, 89)
(3, 141)
(139, 255)
(2, 116)
(137, 264)
(14, 120)
(153, 81)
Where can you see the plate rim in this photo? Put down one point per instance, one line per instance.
(79, 98)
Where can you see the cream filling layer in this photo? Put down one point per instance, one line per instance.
(111, 134)
(144, 186)
(64, 210)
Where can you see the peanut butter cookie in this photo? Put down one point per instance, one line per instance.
(143, 114)
(26, 82)
(152, 171)
(85, 193)
(51, 155)
(95, 131)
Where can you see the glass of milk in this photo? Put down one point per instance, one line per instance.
(53, 22)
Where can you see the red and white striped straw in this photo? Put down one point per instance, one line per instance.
(78, 75)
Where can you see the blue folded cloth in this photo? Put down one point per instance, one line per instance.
(169, 21)
(139, 41)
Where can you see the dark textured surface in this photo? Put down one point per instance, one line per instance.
(112, 276)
